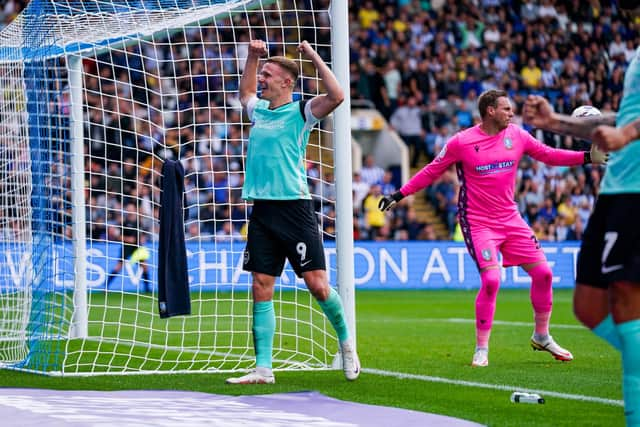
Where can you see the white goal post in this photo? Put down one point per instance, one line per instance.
(94, 96)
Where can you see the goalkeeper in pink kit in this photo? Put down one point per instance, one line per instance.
(486, 157)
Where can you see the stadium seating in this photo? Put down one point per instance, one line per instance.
(444, 55)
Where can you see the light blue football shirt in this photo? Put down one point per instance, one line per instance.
(623, 169)
(275, 167)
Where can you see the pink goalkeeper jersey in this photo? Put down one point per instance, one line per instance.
(487, 167)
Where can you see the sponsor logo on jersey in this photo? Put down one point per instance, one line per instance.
(495, 167)
(270, 125)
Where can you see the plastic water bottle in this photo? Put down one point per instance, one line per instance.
(521, 397)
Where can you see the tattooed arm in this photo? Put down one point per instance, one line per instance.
(611, 138)
(538, 113)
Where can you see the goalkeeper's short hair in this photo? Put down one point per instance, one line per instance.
(287, 64)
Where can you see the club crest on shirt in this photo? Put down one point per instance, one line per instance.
(508, 144)
(486, 254)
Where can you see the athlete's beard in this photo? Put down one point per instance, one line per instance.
(501, 125)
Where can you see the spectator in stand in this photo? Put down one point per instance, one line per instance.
(387, 185)
(374, 218)
(392, 82)
(549, 78)
(407, 121)
(329, 224)
(413, 225)
(492, 33)
(550, 233)
(370, 172)
(502, 62)
(587, 49)
(419, 82)
(227, 233)
(133, 249)
(566, 210)
(360, 191)
(368, 15)
(629, 51)
(562, 230)
(576, 231)
(428, 233)
(534, 195)
(548, 212)
(617, 48)
(585, 208)
(10, 9)
(377, 88)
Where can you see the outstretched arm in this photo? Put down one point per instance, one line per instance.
(558, 156)
(426, 176)
(249, 79)
(611, 138)
(538, 113)
(323, 105)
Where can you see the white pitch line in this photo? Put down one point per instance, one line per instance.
(508, 323)
(543, 393)
(460, 320)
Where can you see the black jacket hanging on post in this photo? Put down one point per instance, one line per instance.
(173, 278)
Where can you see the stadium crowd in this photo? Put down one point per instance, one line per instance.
(421, 63)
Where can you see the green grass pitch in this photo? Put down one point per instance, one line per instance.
(429, 336)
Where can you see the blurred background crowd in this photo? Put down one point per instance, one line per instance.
(424, 63)
(421, 64)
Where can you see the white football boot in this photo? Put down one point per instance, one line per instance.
(480, 358)
(548, 344)
(350, 360)
(257, 376)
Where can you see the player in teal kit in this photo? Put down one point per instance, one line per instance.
(607, 294)
(283, 224)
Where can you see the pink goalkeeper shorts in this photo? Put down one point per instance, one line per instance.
(514, 240)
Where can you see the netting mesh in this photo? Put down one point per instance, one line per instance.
(159, 81)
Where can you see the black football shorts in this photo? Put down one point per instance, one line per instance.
(281, 230)
(610, 250)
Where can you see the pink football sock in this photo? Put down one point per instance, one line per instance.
(482, 338)
(486, 305)
(541, 297)
(542, 323)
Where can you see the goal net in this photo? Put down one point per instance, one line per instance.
(94, 96)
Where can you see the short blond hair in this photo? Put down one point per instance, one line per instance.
(289, 65)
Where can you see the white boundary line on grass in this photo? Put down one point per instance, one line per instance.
(495, 322)
(544, 393)
(508, 323)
